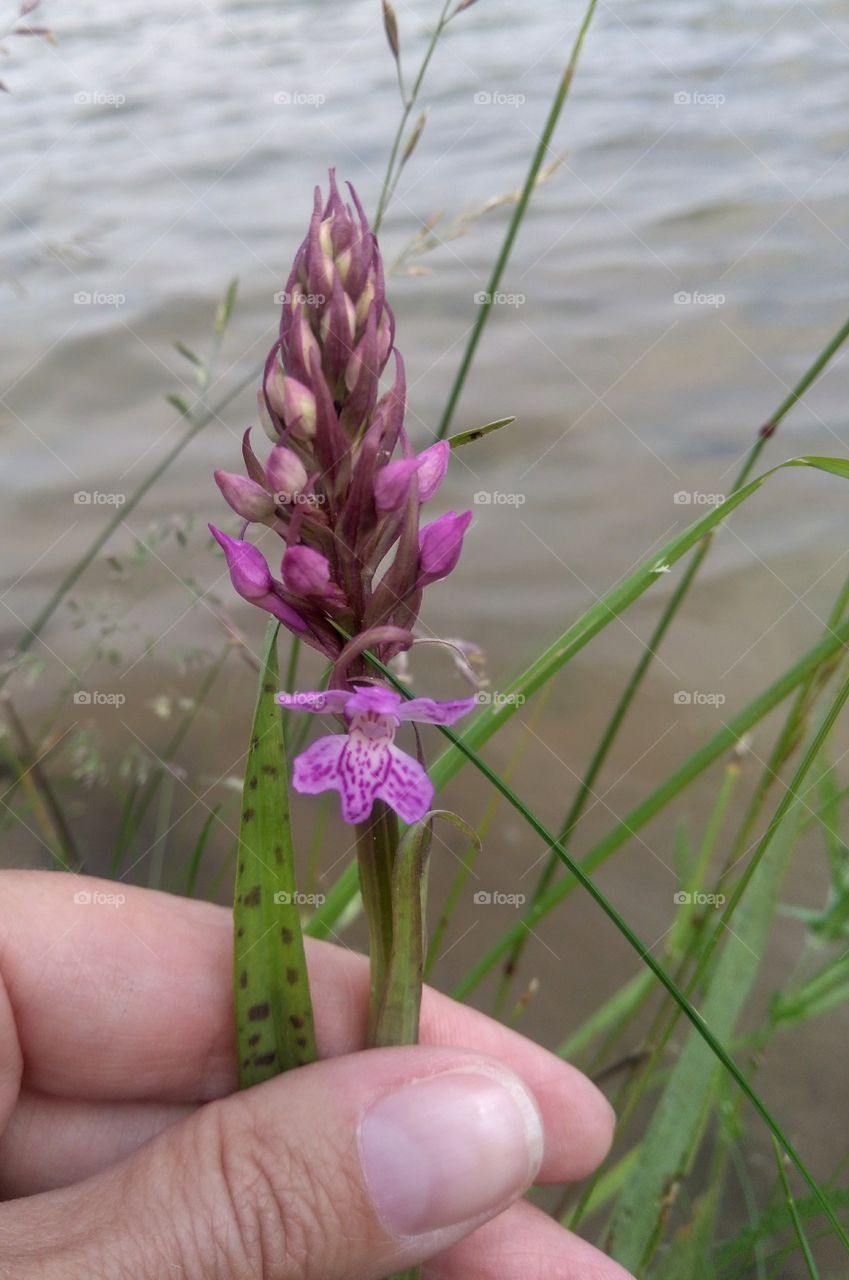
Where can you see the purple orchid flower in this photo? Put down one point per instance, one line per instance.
(357, 559)
(364, 764)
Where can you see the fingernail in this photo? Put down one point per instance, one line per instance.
(446, 1150)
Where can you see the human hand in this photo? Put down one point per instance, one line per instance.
(120, 1128)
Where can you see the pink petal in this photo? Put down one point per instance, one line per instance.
(406, 788)
(315, 700)
(317, 768)
(432, 465)
(429, 711)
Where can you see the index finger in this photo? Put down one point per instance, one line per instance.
(134, 1000)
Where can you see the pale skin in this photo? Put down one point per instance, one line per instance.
(133, 1157)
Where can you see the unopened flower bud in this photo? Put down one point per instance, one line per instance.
(249, 571)
(286, 474)
(440, 544)
(252, 580)
(247, 498)
(274, 388)
(393, 480)
(298, 407)
(306, 572)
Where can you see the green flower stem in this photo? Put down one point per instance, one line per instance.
(377, 845)
(397, 1020)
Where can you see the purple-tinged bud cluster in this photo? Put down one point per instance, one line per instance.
(342, 487)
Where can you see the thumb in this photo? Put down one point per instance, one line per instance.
(354, 1168)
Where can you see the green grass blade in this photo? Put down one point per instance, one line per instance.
(199, 850)
(794, 1214)
(677, 1118)
(478, 433)
(541, 154)
(274, 1022)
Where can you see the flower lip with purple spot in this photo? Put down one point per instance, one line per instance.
(364, 765)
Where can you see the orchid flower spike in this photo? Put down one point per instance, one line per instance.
(364, 764)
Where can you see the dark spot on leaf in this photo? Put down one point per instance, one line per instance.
(267, 686)
(258, 1012)
(271, 771)
(252, 782)
(302, 1041)
(292, 976)
(248, 814)
(278, 853)
(252, 897)
(265, 1059)
(288, 936)
(240, 932)
(241, 866)
(296, 1022)
(243, 979)
(254, 1039)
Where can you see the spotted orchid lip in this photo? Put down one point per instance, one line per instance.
(364, 764)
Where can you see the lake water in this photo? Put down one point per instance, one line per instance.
(673, 279)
